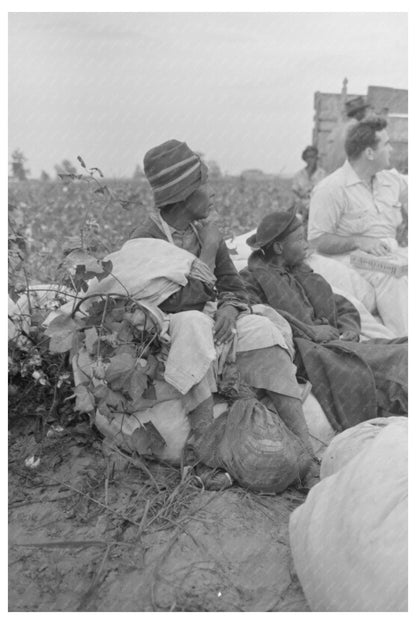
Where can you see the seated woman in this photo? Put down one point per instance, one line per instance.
(183, 201)
(351, 380)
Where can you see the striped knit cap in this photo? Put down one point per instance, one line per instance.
(174, 172)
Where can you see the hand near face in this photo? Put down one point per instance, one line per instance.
(209, 235)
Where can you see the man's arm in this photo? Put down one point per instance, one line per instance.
(336, 244)
(229, 284)
(214, 253)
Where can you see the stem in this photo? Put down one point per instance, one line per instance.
(27, 289)
(101, 327)
(99, 295)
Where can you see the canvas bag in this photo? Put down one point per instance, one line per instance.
(349, 538)
(254, 445)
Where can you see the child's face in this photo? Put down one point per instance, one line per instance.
(294, 247)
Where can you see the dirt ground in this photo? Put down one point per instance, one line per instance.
(90, 530)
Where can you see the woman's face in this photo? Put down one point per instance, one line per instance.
(199, 204)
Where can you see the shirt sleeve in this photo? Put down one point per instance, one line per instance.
(324, 211)
(254, 290)
(193, 296)
(348, 317)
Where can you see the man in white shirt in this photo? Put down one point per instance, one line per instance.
(359, 207)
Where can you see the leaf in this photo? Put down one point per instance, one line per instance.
(107, 267)
(157, 441)
(81, 271)
(146, 439)
(125, 333)
(100, 173)
(84, 399)
(127, 348)
(101, 391)
(137, 384)
(76, 345)
(96, 310)
(85, 272)
(98, 369)
(115, 326)
(117, 314)
(104, 409)
(61, 332)
(139, 405)
(104, 394)
(116, 400)
(151, 366)
(110, 339)
(150, 393)
(80, 257)
(120, 365)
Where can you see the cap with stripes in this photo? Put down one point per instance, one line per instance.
(174, 171)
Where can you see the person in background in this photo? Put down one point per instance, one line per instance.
(355, 110)
(359, 207)
(305, 180)
(353, 381)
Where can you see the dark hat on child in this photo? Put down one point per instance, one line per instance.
(174, 171)
(274, 227)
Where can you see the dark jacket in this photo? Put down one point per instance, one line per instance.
(229, 288)
(350, 380)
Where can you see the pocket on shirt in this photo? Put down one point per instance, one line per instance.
(356, 215)
(358, 221)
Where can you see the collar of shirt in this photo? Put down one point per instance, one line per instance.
(351, 177)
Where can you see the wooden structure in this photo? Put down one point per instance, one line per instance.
(386, 101)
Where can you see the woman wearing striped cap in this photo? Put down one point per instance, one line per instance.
(183, 200)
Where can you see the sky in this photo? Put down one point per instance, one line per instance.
(237, 87)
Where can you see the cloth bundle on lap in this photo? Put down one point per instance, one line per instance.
(150, 270)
